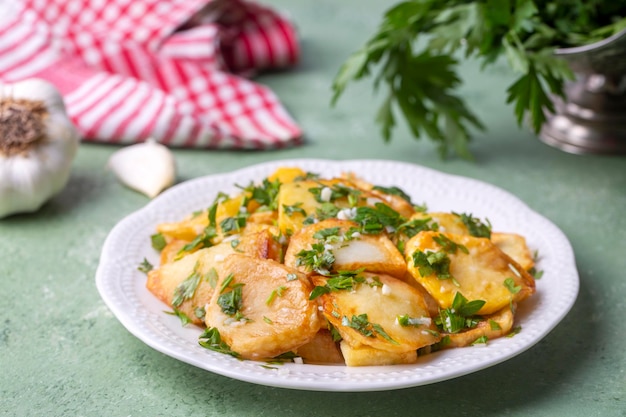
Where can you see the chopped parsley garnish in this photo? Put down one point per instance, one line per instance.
(158, 241)
(493, 325)
(412, 227)
(537, 274)
(186, 289)
(184, 319)
(461, 315)
(145, 266)
(230, 298)
(475, 226)
(307, 176)
(509, 283)
(211, 277)
(448, 245)
(361, 324)
(316, 259)
(375, 220)
(335, 192)
(482, 340)
(343, 280)
(199, 312)
(265, 194)
(437, 263)
(232, 225)
(319, 258)
(407, 321)
(203, 240)
(212, 340)
(277, 292)
(394, 191)
(295, 208)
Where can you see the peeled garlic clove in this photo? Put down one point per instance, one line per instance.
(147, 167)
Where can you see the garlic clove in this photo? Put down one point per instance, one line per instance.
(147, 167)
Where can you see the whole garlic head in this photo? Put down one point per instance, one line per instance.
(38, 143)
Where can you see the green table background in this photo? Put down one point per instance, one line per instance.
(62, 353)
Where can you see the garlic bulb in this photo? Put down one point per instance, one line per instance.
(147, 167)
(38, 143)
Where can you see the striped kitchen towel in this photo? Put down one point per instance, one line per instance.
(171, 70)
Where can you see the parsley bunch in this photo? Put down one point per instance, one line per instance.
(416, 47)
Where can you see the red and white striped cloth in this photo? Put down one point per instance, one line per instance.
(134, 69)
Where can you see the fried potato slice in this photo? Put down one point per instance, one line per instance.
(322, 349)
(374, 253)
(515, 246)
(193, 271)
(368, 314)
(479, 274)
(273, 312)
(163, 281)
(493, 326)
(368, 356)
(286, 174)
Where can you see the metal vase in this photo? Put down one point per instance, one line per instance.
(593, 117)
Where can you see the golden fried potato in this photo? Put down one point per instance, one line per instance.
(286, 174)
(480, 274)
(272, 313)
(163, 281)
(370, 314)
(493, 326)
(194, 271)
(368, 356)
(515, 246)
(186, 229)
(375, 253)
(322, 349)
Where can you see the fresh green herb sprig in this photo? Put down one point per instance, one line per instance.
(343, 280)
(461, 315)
(212, 340)
(415, 54)
(362, 324)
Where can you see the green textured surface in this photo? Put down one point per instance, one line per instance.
(62, 353)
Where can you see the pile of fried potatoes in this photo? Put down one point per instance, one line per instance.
(338, 271)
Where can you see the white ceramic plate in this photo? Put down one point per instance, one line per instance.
(121, 285)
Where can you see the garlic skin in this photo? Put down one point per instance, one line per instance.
(34, 172)
(147, 167)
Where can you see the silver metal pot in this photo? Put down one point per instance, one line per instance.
(593, 118)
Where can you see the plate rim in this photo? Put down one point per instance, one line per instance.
(282, 379)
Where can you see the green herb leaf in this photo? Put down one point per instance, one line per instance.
(361, 324)
(145, 266)
(184, 319)
(186, 289)
(475, 226)
(158, 241)
(461, 315)
(212, 340)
